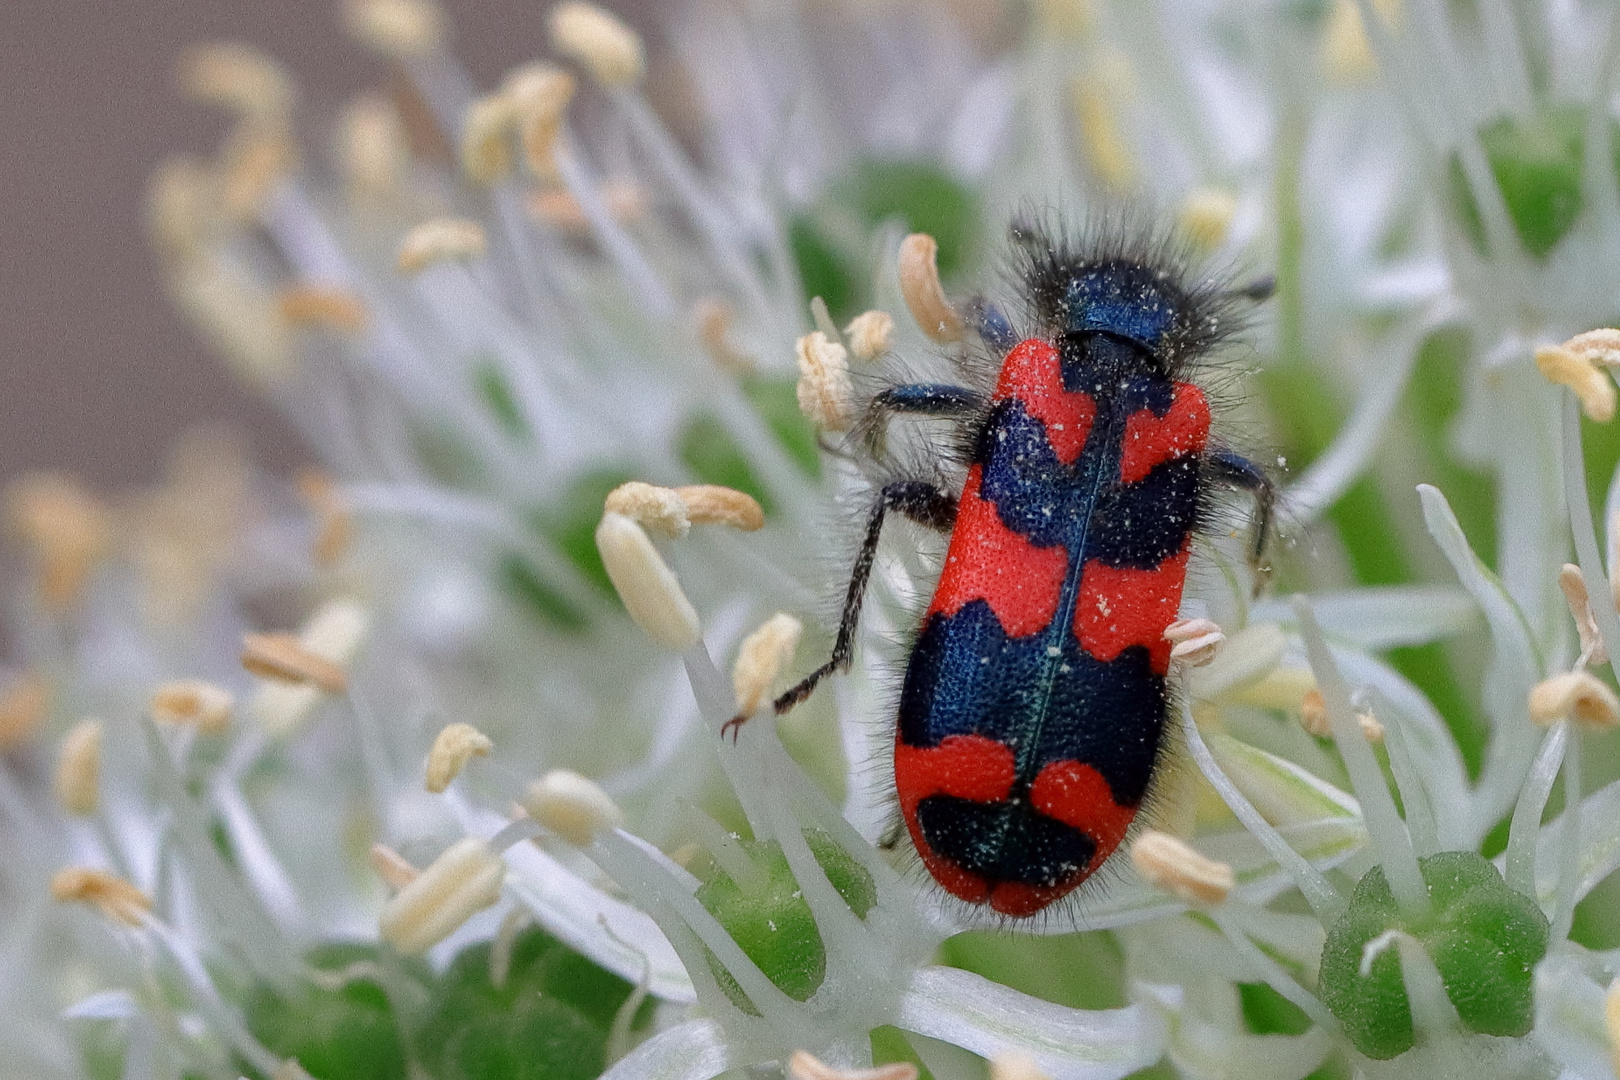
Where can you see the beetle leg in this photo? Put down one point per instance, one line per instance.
(1228, 468)
(915, 499)
(913, 399)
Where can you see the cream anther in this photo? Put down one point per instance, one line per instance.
(459, 884)
(455, 745)
(78, 768)
(1194, 641)
(825, 394)
(763, 655)
(283, 658)
(440, 240)
(711, 504)
(240, 78)
(869, 334)
(805, 1066)
(923, 293)
(646, 585)
(116, 898)
(598, 40)
(398, 29)
(1592, 387)
(659, 510)
(193, 702)
(572, 806)
(1175, 867)
(1575, 695)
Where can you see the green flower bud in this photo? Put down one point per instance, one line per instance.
(1483, 937)
(771, 921)
(1537, 165)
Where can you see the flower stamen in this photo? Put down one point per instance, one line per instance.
(282, 657)
(763, 655)
(646, 585)
(806, 1066)
(869, 335)
(1575, 695)
(1194, 641)
(397, 29)
(1578, 371)
(463, 881)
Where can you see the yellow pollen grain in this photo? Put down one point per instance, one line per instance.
(1206, 215)
(1175, 867)
(1575, 695)
(395, 870)
(869, 335)
(23, 704)
(659, 510)
(455, 745)
(283, 658)
(398, 29)
(573, 806)
(193, 702)
(922, 291)
(439, 240)
(1592, 387)
(713, 318)
(322, 307)
(114, 897)
(712, 504)
(334, 525)
(647, 587)
(1015, 1065)
(67, 528)
(761, 658)
(804, 1065)
(240, 78)
(824, 390)
(1573, 585)
(487, 128)
(599, 41)
(373, 147)
(78, 768)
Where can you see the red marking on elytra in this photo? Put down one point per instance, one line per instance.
(1120, 607)
(988, 561)
(1079, 796)
(1021, 900)
(1151, 440)
(966, 766)
(1033, 373)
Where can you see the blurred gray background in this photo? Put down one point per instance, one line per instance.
(99, 373)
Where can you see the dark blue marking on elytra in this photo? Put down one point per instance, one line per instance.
(1051, 504)
(966, 677)
(1004, 841)
(1124, 298)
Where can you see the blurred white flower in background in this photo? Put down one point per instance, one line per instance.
(370, 774)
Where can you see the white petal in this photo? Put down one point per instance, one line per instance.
(1570, 1018)
(1384, 616)
(987, 1018)
(694, 1050)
